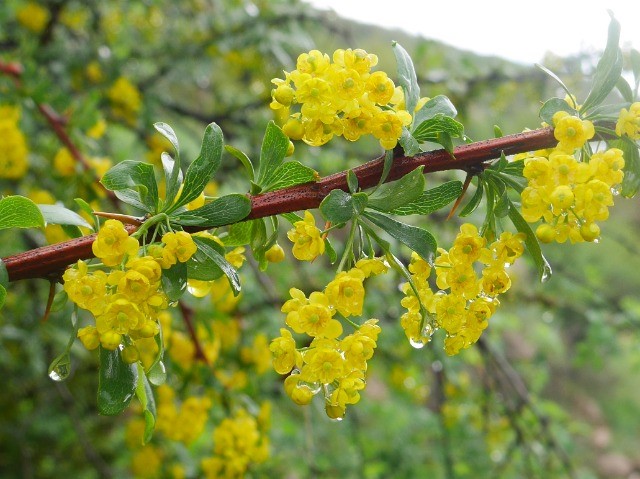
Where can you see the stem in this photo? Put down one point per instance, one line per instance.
(348, 247)
(50, 261)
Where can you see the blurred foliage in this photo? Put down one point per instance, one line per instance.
(549, 392)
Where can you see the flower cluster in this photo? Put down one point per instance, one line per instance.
(570, 196)
(33, 17)
(336, 366)
(238, 442)
(185, 422)
(125, 99)
(629, 122)
(306, 238)
(464, 301)
(126, 300)
(13, 145)
(340, 97)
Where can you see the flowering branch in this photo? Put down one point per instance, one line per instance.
(50, 261)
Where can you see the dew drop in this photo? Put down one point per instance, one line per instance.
(417, 343)
(60, 368)
(546, 273)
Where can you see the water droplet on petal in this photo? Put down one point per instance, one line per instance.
(417, 343)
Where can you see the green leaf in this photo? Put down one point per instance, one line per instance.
(625, 90)
(330, 251)
(555, 77)
(147, 401)
(134, 183)
(497, 131)
(59, 215)
(274, 148)
(221, 211)
(84, 206)
(608, 70)
(408, 143)
(417, 239)
(174, 281)
(407, 77)
(244, 159)
(232, 275)
(552, 106)
(438, 105)
(289, 174)
(19, 212)
(352, 181)
(431, 200)
(173, 177)
(116, 383)
(4, 274)
(3, 295)
(475, 200)
(386, 167)
(631, 180)
(544, 270)
(514, 168)
(429, 129)
(340, 207)
(634, 57)
(239, 234)
(202, 169)
(166, 131)
(202, 267)
(502, 207)
(398, 193)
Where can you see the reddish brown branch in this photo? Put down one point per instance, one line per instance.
(50, 261)
(310, 195)
(187, 316)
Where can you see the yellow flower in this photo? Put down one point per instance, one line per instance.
(275, 254)
(571, 132)
(13, 145)
(33, 16)
(284, 352)
(346, 292)
(495, 280)
(467, 246)
(323, 365)
(386, 126)
(372, 266)
(64, 163)
(380, 88)
(315, 318)
(89, 336)
(179, 246)
(113, 243)
(307, 241)
(125, 99)
(629, 122)
(120, 315)
(87, 290)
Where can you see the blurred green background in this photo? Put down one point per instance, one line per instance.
(551, 391)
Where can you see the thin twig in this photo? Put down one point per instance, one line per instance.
(187, 317)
